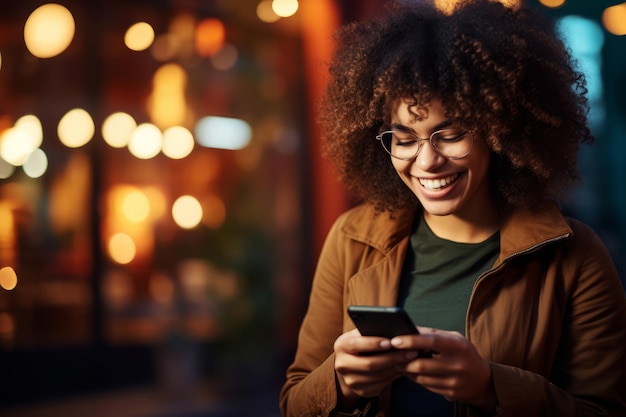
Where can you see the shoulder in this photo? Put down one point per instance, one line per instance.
(588, 262)
(380, 230)
(585, 240)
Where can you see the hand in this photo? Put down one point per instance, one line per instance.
(366, 375)
(455, 371)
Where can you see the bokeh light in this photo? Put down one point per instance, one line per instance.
(585, 38)
(167, 105)
(136, 206)
(223, 133)
(6, 169)
(117, 129)
(265, 12)
(76, 128)
(448, 6)
(178, 142)
(37, 164)
(8, 278)
(32, 126)
(139, 36)
(210, 35)
(614, 19)
(146, 141)
(187, 212)
(285, 8)
(122, 248)
(16, 145)
(553, 4)
(49, 30)
(158, 202)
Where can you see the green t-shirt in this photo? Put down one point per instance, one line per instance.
(438, 276)
(435, 287)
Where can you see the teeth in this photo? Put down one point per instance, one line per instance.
(438, 183)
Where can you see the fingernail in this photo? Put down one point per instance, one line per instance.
(385, 344)
(396, 342)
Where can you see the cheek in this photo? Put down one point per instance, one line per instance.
(400, 166)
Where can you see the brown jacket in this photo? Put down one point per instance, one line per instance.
(550, 315)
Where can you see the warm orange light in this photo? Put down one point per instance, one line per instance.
(210, 35)
(178, 142)
(167, 104)
(7, 234)
(614, 19)
(553, 4)
(187, 212)
(8, 278)
(139, 36)
(285, 8)
(49, 30)
(117, 129)
(448, 6)
(265, 12)
(136, 206)
(122, 248)
(76, 128)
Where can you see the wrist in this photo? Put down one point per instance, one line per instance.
(488, 404)
(346, 398)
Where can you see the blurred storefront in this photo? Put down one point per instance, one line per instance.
(162, 197)
(154, 175)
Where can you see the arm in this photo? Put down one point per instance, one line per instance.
(310, 388)
(588, 374)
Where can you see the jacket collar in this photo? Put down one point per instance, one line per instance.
(520, 230)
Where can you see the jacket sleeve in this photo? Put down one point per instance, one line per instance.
(588, 377)
(310, 388)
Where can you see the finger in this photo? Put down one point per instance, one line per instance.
(441, 342)
(423, 366)
(427, 330)
(352, 342)
(422, 342)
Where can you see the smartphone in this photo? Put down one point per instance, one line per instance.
(386, 322)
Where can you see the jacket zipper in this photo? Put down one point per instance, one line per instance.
(461, 409)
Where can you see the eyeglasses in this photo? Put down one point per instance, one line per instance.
(450, 143)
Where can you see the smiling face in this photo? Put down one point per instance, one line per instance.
(444, 187)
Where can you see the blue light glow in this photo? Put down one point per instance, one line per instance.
(223, 133)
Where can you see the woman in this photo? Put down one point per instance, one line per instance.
(459, 132)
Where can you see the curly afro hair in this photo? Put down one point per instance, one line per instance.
(500, 72)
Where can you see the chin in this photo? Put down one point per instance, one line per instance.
(440, 208)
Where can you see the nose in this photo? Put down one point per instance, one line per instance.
(428, 158)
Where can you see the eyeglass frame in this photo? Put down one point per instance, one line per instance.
(379, 137)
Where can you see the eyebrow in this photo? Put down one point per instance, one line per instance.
(439, 126)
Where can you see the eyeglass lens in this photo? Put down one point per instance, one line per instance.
(451, 143)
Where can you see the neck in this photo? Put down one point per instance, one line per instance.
(465, 228)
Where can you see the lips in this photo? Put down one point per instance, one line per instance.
(438, 183)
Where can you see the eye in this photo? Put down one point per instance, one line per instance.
(403, 139)
(449, 135)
